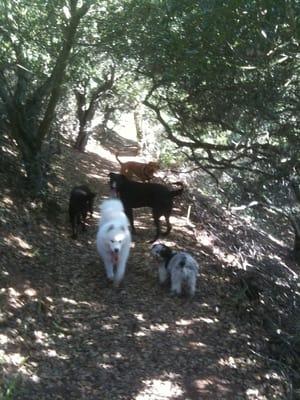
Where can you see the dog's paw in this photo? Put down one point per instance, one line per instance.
(116, 284)
(109, 281)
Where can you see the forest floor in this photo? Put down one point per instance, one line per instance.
(66, 334)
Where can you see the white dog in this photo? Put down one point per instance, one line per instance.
(113, 239)
(180, 268)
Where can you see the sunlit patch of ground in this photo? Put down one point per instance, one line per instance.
(164, 388)
(67, 334)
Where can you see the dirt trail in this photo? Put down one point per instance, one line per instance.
(66, 335)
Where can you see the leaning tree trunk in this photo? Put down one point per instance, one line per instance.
(295, 220)
(82, 139)
(33, 163)
(139, 130)
(297, 247)
(85, 115)
(86, 107)
(138, 125)
(34, 170)
(296, 225)
(85, 118)
(30, 114)
(297, 244)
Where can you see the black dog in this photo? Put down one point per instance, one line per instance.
(154, 195)
(81, 202)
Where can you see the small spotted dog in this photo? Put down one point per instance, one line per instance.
(177, 267)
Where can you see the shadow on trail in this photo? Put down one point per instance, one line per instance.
(66, 334)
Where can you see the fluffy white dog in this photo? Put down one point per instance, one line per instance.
(180, 268)
(113, 239)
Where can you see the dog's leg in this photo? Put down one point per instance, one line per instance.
(162, 274)
(120, 271)
(129, 213)
(73, 222)
(82, 220)
(75, 225)
(191, 283)
(128, 174)
(169, 226)
(109, 269)
(176, 282)
(156, 217)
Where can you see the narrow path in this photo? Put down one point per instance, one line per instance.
(82, 339)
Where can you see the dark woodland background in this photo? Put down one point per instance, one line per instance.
(212, 92)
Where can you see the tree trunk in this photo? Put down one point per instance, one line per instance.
(82, 139)
(86, 108)
(32, 159)
(85, 118)
(141, 138)
(30, 114)
(297, 247)
(138, 125)
(35, 174)
(296, 225)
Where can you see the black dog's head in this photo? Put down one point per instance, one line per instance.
(116, 181)
(90, 197)
(81, 200)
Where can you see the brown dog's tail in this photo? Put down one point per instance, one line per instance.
(178, 191)
(117, 154)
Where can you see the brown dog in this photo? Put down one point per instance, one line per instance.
(143, 171)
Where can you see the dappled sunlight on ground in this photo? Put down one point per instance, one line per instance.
(164, 388)
(67, 334)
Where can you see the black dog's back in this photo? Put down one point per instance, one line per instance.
(81, 202)
(136, 194)
(139, 194)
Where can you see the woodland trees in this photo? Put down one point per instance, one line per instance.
(87, 99)
(223, 80)
(221, 77)
(37, 39)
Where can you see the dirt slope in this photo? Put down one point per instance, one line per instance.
(64, 334)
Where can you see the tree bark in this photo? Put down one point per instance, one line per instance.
(82, 139)
(296, 225)
(28, 122)
(86, 108)
(138, 125)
